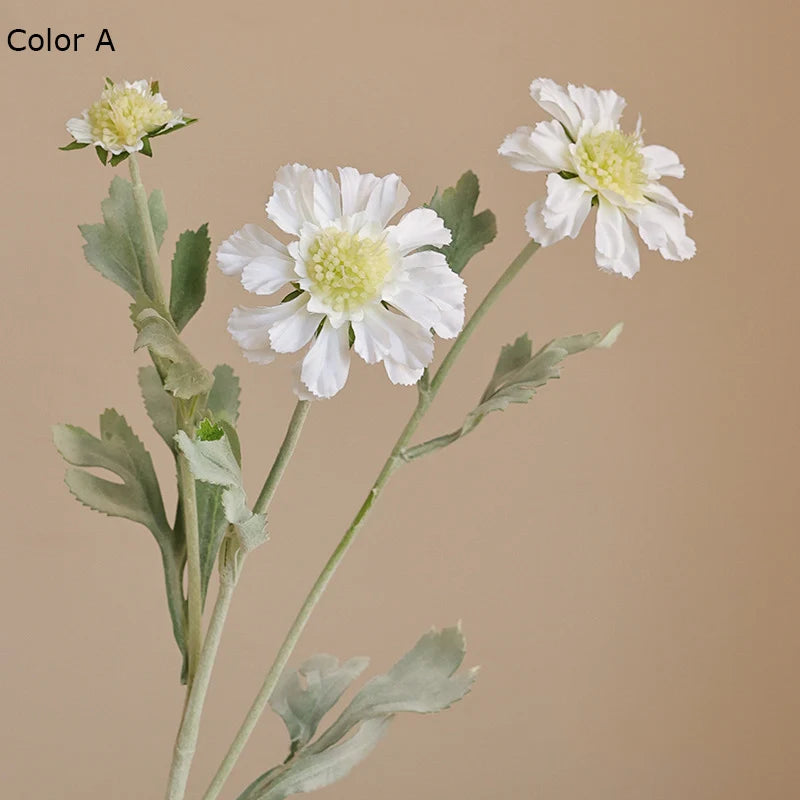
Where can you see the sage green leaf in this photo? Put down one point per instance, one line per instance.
(189, 271)
(471, 232)
(211, 529)
(159, 405)
(186, 377)
(516, 378)
(423, 681)
(223, 399)
(137, 497)
(115, 247)
(214, 462)
(303, 697)
(313, 771)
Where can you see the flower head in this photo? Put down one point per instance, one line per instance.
(353, 280)
(592, 161)
(124, 119)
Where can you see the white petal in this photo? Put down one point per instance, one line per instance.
(80, 130)
(554, 100)
(566, 206)
(356, 189)
(388, 197)
(662, 162)
(534, 224)
(545, 147)
(429, 292)
(402, 374)
(298, 386)
(292, 201)
(420, 227)
(603, 108)
(288, 335)
(327, 197)
(663, 196)
(327, 363)
(263, 262)
(615, 246)
(250, 329)
(383, 334)
(664, 229)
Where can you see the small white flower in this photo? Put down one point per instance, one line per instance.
(349, 273)
(593, 162)
(123, 116)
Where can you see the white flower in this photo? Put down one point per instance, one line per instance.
(592, 162)
(351, 277)
(123, 116)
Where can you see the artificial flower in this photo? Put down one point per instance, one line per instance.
(354, 281)
(591, 161)
(125, 117)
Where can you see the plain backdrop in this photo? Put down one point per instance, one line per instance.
(623, 551)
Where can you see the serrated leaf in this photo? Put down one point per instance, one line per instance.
(471, 232)
(137, 498)
(158, 404)
(423, 681)
(115, 247)
(189, 271)
(318, 770)
(516, 378)
(303, 697)
(214, 462)
(185, 377)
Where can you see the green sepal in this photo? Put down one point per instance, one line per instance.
(102, 154)
(147, 149)
(75, 146)
(154, 87)
(471, 232)
(109, 83)
(118, 158)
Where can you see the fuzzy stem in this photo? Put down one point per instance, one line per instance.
(186, 741)
(426, 396)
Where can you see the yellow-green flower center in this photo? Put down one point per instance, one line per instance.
(614, 159)
(347, 270)
(122, 116)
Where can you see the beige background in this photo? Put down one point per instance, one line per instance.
(623, 552)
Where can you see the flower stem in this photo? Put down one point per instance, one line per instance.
(186, 741)
(284, 455)
(394, 460)
(152, 278)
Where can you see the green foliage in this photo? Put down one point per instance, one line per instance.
(137, 498)
(189, 271)
(116, 247)
(516, 378)
(214, 462)
(74, 146)
(423, 681)
(158, 404)
(185, 377)
(471, 232)
(207, 431)
(223, 399)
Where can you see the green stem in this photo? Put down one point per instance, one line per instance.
(188, 495)
(186, 741)
(284, 455)
(152, 278)
(426, 396)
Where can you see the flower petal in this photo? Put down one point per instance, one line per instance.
(615, 246)
(429, 292)
(555, 100)
(291, 333)
(80, 130)
(566, 206)
(327, 363)
(292, 201)
(250, 329)
(664, 229)
(418, 228)
(662, 162)
(534, 224)
(384, 335)
(545, 147)
(263, 262)
(603, 108)
(401, 374)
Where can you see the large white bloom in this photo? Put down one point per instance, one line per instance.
(123, 116)
(351, 277)
(593, 162)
